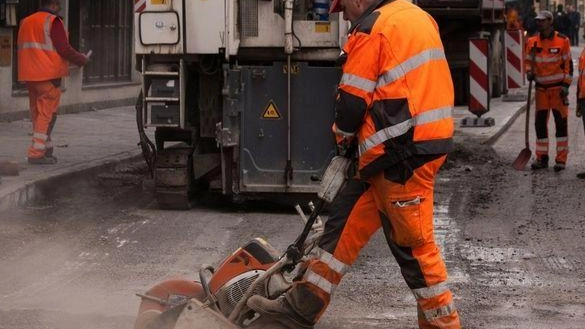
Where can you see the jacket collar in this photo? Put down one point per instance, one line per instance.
(371, 8)
(47, 10)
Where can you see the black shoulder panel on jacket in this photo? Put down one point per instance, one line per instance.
(562, 35)
(368, 22)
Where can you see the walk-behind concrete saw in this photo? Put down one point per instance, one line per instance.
(218, 299)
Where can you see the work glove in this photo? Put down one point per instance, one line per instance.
(580, 107)
(564, 92)
(346, 147)
(530, 76)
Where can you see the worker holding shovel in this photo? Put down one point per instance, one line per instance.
(549, 65)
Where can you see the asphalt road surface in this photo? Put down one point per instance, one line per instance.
(513, 242)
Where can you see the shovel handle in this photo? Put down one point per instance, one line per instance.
(527, 127)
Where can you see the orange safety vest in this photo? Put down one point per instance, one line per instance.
(38, 59)
(405, 84)
(581, 81)
(552, 60)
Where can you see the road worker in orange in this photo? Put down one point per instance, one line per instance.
(43, 55)
(395, 101)
(581, 96)
(548, 63)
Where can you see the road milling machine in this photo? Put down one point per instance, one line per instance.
(240, 94)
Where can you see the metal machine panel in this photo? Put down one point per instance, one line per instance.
(158, 27)
(205, 26)
(264, 144)
(312, 33)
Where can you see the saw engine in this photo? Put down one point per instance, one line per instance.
(219, 289)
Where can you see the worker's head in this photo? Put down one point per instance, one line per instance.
(352, 9)
(54, 5)
(544, 21)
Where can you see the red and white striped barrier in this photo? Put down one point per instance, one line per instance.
(514, 63)
(479, 90)
(514, 45)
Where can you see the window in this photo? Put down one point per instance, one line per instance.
(106, 29)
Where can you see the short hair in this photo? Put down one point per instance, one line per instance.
(45, 3)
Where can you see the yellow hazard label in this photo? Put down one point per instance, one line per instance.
(158, 2)
(322, 27)
(271, 111)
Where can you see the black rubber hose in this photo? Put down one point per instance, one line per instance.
(146, 145)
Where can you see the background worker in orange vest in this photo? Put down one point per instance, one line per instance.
(395, 102)
(548, 63)
(43, 55)
(581, 96)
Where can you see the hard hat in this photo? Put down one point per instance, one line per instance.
(335, 6)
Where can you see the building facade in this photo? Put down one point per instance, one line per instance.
(104, 27)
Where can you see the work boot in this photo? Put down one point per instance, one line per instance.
(46, 160)
(541, 163)
(278, 310)
(559, 166)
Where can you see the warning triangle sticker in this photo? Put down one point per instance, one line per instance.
(271, 112)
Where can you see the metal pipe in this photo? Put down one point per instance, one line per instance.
(288, 172)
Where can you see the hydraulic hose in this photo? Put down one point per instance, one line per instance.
(146, 145)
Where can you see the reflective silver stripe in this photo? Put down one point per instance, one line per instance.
(551, 78)
(48, 45)
(439, 312)
(410, 64)
(39, 146)
(562, 148)
(27, 45)
(333, 263)
(40, 136)
(429, 292)
(542, 140)
(47, 28)
(401, 128)
(542, 147)
(562, 139)
(343, 133)
(358, 82)
(319, 281)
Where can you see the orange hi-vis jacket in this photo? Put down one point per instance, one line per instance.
(552, 65)
(395, 94)
(38, 59)
(581, 81)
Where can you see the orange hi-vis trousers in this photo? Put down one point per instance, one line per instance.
(44, 100)
(548, 100)
(405, 213)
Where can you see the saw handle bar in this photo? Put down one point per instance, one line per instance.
(204, 278)
(296, 250)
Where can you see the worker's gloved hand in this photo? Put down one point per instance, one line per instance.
(346, 147)
(564, 91)
(580, 107)
(530, 76)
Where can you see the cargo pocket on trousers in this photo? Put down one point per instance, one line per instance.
(407, 225)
